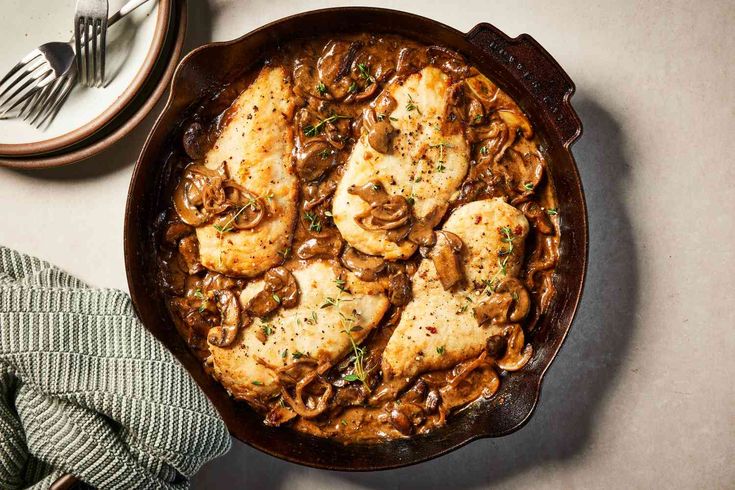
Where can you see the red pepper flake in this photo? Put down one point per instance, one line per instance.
(478, 219)
(431, 329)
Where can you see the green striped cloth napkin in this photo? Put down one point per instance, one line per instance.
(86, 390)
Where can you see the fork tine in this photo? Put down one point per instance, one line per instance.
(47, 102)
(61, 97)
(22, 75)
(95, 64)
(22, 88)
(87, 57)
(24, 62)
(78, 24)
(103, 50)
(7, 107)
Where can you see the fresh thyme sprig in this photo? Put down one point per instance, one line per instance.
(365, 73)
(314, 222)
(314, 129)
(411, 105)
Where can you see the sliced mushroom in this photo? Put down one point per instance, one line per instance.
(496, 346)
(176, 231)
(315, 158)
(366, 267)
(279, 415)
(446, 257)
(316, 194)
(385, 104)
(195, 141)
(380, 136)
(371, 192)
(391, 214)
(495, 309)
(399, 289)
(538, 217)
(225, 333)
(510, 302)
(280, 280)
(184, 205)
(422, 234)
(214, 199)
(517, 353)
(320, 247)
(189, 250)
(521, 299)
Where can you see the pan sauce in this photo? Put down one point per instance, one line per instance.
(339, 101)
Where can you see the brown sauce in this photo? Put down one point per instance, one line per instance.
(342, 76)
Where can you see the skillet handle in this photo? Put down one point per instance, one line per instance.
(541, 75)
(65, 482)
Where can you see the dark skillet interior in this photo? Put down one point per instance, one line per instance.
(521, 68)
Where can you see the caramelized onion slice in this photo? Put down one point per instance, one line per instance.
(187, 211)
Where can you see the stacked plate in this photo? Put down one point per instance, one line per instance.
(142, 52)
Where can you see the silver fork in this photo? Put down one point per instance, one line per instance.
(90, 26)
(37, 86)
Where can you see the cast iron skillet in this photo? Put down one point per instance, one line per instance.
(519, 66)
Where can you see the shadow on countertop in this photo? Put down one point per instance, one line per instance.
(124, 153)
(577, 384)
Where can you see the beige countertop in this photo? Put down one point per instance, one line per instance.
(642, 394)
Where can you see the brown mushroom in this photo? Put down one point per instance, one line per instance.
(249, 209)
(493, 310)
(195, 141)
(422, 234)
(320, 247)
(521, 299)
(189, 250)
(366, 267)
(279, 415)
(495, 346)
(316, 194)
(538, 217)
(371, 192)
(176, 231)
(391, 214)
(315, 158)
(446, 257)
(399, 289)
(225, 333)
(214, 199)
(380, 136)
(510, 302)
(184, 202)
(517, 353)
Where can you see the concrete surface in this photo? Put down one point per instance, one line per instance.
(642, 394)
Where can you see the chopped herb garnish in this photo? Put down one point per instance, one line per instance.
(321, 88)
(284, 354)
(328, 214)
(552, 212)
(276, 298)
(365, 73)
(441, 147)
(358, 366)
(314, 223)
(528, 186)
(284, 252)
(483, 150)
(440, 350)
(267, 329)
(257, 383)
(477, 118)
(411, 200)
(297, 355)
(324, 154)
(343, 422)
(440, 168)
(340, 284)
(314, 129)
(352, 88)
(411, 105)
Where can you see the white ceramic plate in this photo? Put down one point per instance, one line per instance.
(130, 43)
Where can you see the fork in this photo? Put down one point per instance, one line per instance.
(90, 21)
(39, 83)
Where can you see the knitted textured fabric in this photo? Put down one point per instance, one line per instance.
(86, 389)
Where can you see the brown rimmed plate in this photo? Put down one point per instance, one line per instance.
(522, 68)
(139, 98)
